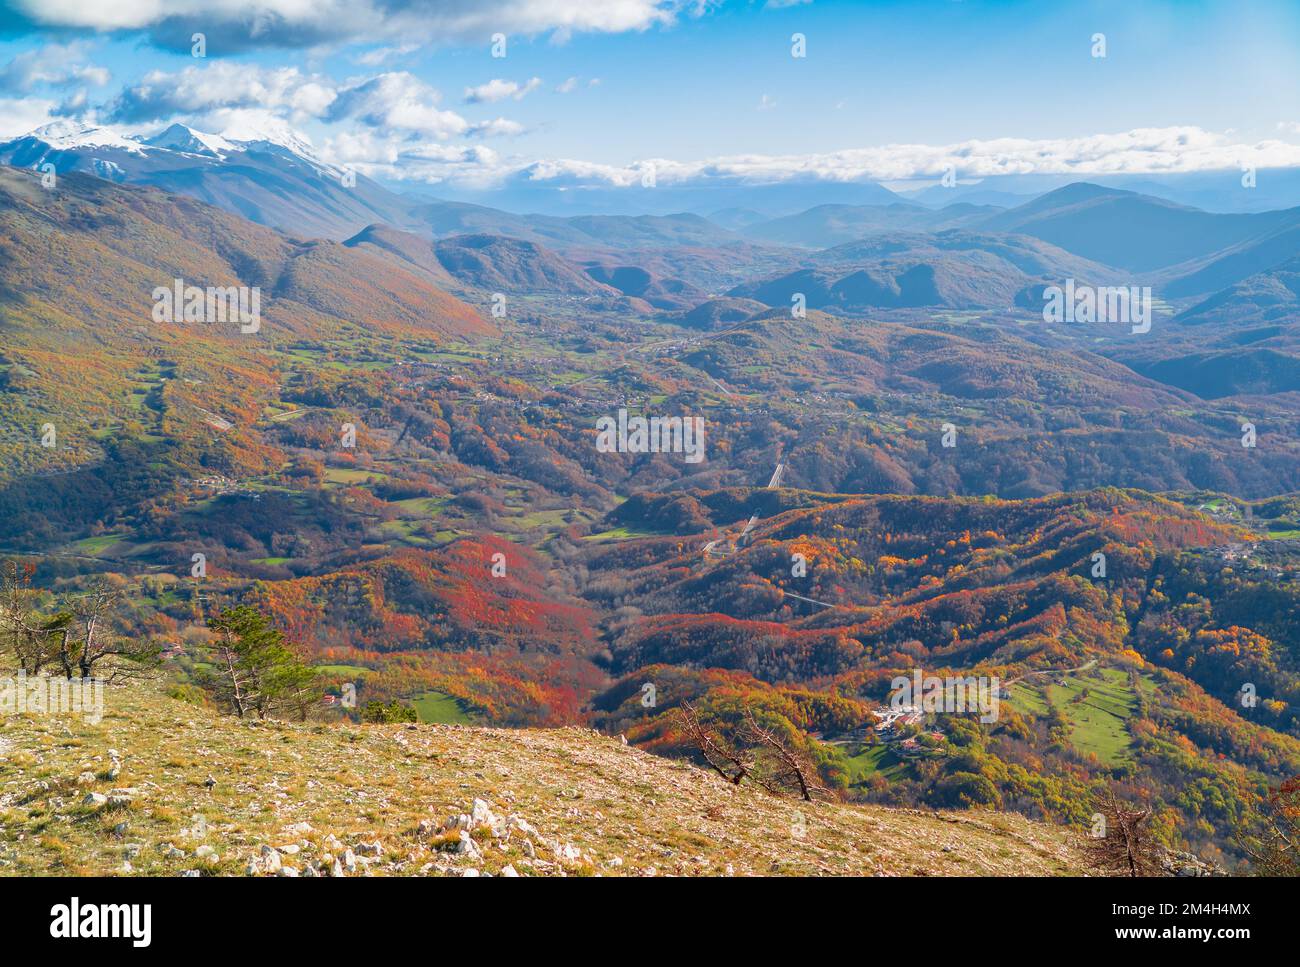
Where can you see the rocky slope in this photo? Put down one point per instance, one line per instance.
(130, 795)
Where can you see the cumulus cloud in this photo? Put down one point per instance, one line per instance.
(232, 25)
(19, 115)
(389, 157)
(497, 127)
(394, 103)
(223, 84)
(498, 90)
(255, 124)
(58, 65)
(398, 101)
(74, 105)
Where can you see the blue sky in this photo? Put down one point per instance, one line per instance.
(887, 90)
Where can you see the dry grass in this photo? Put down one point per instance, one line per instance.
(595, 805)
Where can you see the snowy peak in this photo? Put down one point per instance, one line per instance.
(260, 168)
(178, 137)
(271, 135)
(268, 138)
(69, 135)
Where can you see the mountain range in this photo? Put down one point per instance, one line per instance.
(275, 178)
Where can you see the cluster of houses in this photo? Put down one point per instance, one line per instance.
(219, 485)
(1234, 552)
(890, 721)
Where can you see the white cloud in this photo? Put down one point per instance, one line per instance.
(255, 124)
(395, 103)
(398, 102)
(1146, 150)
(571, 84)
(223, 84)
(379, 157)
(498, 89)
(57, 65)
(20, 115)
(243, 24)
(497, 127)
(364, 147)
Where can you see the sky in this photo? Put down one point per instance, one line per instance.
(604, 92)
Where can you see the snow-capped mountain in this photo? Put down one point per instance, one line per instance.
(84, 137)
(186, 140)
(270, 175)
(68, 135)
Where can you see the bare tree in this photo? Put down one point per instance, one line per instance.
(786, 768)
(751, 751)
(1126, 846)
(59, 630)
(75, 637)
(21, 629)
(1276, 851)
(94, 612)
(721, 755)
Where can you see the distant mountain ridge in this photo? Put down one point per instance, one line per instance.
(829, 225)
(954, 269)
(497, 263)
(1138, 233)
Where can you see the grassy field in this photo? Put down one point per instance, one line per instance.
(419, 507)
(618, 534)
(341, 475)
(873, 760)
(342, 670)
(99, 544)
(1098, 720)
(439, 709)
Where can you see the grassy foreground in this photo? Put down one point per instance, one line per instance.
(384, 800)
